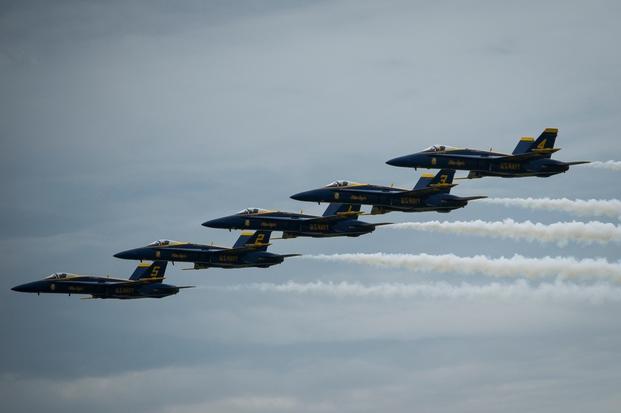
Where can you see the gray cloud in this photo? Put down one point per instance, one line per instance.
(124, 122)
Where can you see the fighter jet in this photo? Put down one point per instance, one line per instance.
(431, 193)
(338, 220)
(529, 158)
(145, 282)
(250, 250)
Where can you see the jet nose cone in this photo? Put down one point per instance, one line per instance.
(298, 197)
(304, 196)
(392, 162)
(129, 255)
(215, 223)
(24, 288)
(400, 161)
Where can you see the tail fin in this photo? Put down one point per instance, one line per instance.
(253, 238)
(336, 208)
(444, 176)
(146, 270)
(543, 144)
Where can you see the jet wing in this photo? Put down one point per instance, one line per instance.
(468, 157)
(249, 247)
(368, 191)
(183, 250)
(272, 218)
(433, 188)
(535, 153)
(145, 280)
(105, 282)
(338, 217)
(102, 283)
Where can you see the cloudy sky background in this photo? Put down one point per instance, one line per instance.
(125, 122)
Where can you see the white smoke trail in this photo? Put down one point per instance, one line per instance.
(580, 207)
(560, 232)
(520, 289)
(516, 266)
(609, 165)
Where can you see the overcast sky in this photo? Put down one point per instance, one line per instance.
(125, 122)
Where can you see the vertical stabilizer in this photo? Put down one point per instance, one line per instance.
(145, 270)
(253, 238)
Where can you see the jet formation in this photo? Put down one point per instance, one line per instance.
(531, 157)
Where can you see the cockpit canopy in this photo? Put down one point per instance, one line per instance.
(162, 243)
(57, 276)
(337, 184)
(249, 211)
(439, 148)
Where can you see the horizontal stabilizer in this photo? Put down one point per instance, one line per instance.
(577, 162)
(471, 198)
(473, 175)
(290, 255)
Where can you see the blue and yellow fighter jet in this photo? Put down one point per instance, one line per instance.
(145, 282)
(529, 158)
(338, 220)
(431, 193)
(250, 250)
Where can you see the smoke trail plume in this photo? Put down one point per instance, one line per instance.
(516, 266)
(560, 232)
(609, 165)
(580, 207)
(520, 289)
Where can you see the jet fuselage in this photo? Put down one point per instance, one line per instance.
(99, 287)
(386, 199)
(204, 256)
(294, 225)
